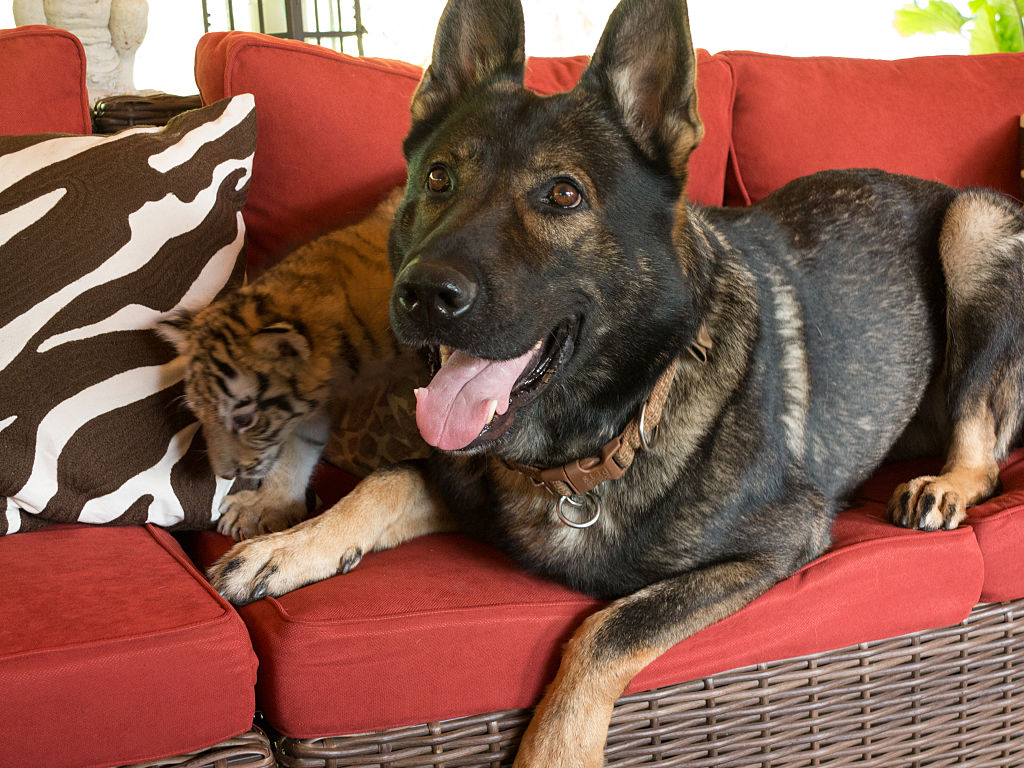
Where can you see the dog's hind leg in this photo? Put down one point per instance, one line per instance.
(982, 252)
(388, 507)
(570, 725)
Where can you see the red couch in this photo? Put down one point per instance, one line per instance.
(895, 647)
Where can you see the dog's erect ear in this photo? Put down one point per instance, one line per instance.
(477, 41)
(646, 65)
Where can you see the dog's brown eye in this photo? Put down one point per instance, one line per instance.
(438, 179)
(565, 195)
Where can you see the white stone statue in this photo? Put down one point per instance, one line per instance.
(110, 30)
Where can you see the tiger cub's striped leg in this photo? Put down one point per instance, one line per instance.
(280, 500)
(388, 507)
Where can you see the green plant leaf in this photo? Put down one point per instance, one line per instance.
(936, 16)
(997, 26)
(1009, 33)
(983, 34)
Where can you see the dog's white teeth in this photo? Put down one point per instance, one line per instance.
(492, 408)
(446, 352)
(538, 345)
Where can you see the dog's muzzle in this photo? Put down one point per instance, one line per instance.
(431, 295)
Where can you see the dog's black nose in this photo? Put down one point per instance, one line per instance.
(435, 293)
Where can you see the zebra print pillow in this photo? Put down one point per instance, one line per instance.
(100, 237)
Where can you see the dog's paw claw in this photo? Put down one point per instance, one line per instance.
(263, 580)
(350, 559)
(231, 565)
(269, 566)
(928, 504)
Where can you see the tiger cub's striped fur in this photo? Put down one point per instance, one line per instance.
(276, 370)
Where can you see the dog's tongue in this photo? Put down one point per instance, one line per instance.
(457, 404)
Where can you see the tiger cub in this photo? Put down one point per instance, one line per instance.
(284, 365)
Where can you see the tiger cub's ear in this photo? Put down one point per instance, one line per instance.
(177, 329)
(281, 341)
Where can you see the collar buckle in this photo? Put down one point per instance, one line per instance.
(580, 477)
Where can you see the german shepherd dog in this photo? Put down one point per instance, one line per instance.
(658, 404)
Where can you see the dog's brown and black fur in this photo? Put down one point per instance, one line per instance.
(854, 315)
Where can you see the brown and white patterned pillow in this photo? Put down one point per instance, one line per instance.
(100, 237)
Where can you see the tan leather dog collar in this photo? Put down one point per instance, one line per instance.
(584, 475)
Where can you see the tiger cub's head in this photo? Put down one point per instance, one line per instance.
(250, 380)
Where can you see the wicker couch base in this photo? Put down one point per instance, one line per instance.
(952, 696)
(248, 750)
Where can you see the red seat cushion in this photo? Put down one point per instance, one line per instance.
(997, 523)
(331, 128)
(443, 626)
(949, 118)
(42, 89)
(114, 650)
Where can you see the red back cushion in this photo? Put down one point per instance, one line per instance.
(330, 129)
(329, 132)
(949, 118)
(42, 89)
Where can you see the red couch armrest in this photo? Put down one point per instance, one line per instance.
(43, 85)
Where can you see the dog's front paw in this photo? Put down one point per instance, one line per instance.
(271, 565)
(246, 514)
(927, 503)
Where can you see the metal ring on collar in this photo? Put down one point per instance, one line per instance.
(645, 442)
(571, 500)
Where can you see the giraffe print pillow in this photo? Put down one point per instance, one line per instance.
(101, 237)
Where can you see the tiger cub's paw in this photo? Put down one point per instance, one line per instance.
(247, 514)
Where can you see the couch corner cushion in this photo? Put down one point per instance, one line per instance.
(949, 118)
(114, 650)
(209, 65)
(444, 627)
(42, 89)
(331, 128)
(999, 525)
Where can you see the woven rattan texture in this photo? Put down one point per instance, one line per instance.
(249, 750)
(115, 113)
(952, 696)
